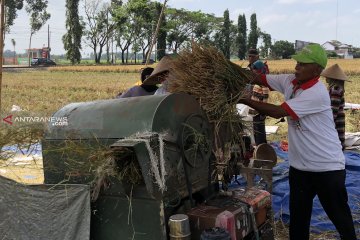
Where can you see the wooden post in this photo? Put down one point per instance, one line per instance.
(2, 30)
(156, 33)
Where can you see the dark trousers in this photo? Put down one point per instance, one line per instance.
(259, 129)
(330, 188)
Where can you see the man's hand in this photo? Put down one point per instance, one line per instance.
(247, 93)
(256, 78)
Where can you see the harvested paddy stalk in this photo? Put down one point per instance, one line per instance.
(217, 84)
(215, 81)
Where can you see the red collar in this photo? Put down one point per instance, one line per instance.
(307, 84)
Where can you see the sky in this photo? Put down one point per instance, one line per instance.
(307, 20)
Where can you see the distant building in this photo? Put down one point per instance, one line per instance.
(341, 49)
(299, 45)
(39, 52)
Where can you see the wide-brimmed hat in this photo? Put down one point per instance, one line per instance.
(162, 67)
(312, 53)
(253, 52)
(335, 72)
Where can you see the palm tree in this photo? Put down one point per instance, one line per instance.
(14, 43)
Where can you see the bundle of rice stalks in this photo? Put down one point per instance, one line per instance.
(218, 84)
(98, 164)
(205, 73)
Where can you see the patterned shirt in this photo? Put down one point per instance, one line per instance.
(337, 105)
(260, 93)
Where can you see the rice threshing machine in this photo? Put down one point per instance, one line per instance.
(150, 163)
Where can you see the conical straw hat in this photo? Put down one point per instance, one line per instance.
(162, 67)
(335, 72)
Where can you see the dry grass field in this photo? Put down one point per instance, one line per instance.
(44, 91)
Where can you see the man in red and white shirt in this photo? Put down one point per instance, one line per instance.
(317, 164)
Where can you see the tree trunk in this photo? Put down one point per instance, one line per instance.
(14, 56)
(29, 49)
(127, 55)
(99, 56)
(123, 56)
(107, 51)
(95, 55)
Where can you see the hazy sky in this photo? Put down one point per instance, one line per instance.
(307, 20)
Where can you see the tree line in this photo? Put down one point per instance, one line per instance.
(130, 26)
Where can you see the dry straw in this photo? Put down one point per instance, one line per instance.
(217, 84)
(205, 73)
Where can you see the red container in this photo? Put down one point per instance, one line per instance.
(259, 200)
(231, 213)
(234, 218)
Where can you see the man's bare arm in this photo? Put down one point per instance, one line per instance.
(257, 79)
(265, 108)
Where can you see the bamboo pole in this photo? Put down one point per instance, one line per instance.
(2, 30)
(156, 32)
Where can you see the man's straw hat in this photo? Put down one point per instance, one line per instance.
(163, 66)
(335, 72)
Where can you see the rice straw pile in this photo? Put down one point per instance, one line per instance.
(205, 73)
(217, 84)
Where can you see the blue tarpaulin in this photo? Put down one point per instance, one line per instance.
(319, 221)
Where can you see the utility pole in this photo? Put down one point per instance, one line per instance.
(2, 30)
(156, 33)
(48, 41)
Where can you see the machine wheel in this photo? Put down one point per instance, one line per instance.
(195, 140)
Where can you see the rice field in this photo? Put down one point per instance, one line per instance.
(42, 92)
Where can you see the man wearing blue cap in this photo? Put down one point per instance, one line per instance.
(317, 163)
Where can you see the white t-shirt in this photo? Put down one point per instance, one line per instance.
(314, 144)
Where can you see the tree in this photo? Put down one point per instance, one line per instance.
(254, 32)
(38, 17)
(264, 50)
(226, 34)
(134, 25)
(241, 38)
(75, 28)
(98, 29)
(283, 49)
(11, 8)
(114, 5)
(14, 44)
(161, 38)
(184, 26)
(234, 47)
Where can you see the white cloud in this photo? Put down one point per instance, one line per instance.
(286, 1)
(272, 19)
(234, 14)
